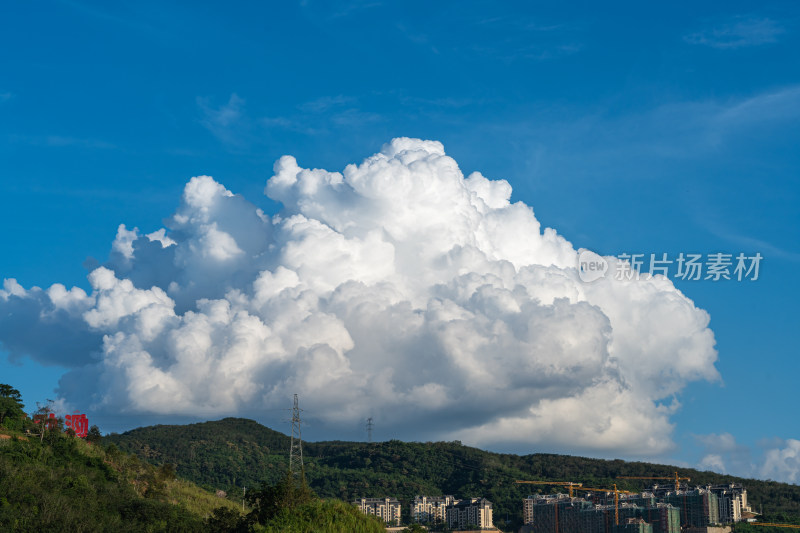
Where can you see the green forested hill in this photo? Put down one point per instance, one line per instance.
(233, 453)
(62, 483)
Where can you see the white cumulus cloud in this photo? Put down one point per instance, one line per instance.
(775, 459)
(782, 464)
(396, 289)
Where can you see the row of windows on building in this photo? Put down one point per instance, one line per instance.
(457, 514)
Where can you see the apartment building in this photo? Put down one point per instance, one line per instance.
(387, 509)
(559, 512)
(431, 510)
(732, 502)
(473, 512)
(699, 507)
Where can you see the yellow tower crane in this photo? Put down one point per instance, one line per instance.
(616, 492)
(572, 486)
(676, 478)
(569, 484)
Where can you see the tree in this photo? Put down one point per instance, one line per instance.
(166, 471)
(93, 436)
(11, 406)
(226, 520)
(270, 500)
(46, 420)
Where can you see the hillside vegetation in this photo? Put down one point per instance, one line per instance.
(234, 452)
(61, 483)
(52, 480)
(331, 516)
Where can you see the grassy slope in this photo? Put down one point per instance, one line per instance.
(67, 484)
(232, 452)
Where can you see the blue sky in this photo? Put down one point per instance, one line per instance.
(627, 128)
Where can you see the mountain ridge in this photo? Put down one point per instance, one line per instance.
(233, 453)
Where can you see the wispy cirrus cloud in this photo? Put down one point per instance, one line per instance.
(740, 32)
(295, 124)
(331, 12)
(447, 102)
(325, 103)
(226, 122)
(747, 242)
(355, 117)
(59, 141)
(526, 39)
(324, 113)
(674, 130)
(5, 97)
(238, 130)
(777, 105)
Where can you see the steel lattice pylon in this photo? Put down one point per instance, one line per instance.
(296, 447)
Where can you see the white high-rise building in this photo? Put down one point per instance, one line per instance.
(430, 510)
(474, 512)
(387, 509)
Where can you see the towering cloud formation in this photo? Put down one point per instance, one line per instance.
(397, 288)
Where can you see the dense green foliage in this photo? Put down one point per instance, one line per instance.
(290, 506)
(11, 407)
(64, 484)
(233, 452)
(51, 480)
(272, 500)
(312, 515)
(330, 516)
(226, 454)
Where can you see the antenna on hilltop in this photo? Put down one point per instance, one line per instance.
(369, 429)
(296, 447)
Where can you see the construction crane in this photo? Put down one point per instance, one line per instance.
(767, 524)
(677, 486)
(676, 478)
(572, 486)
(616, 492)
(569, 484)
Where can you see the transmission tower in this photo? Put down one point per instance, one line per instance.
(296, 449)
(369, 429)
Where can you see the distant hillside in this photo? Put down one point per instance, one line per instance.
(221, 454)
(232, 453)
